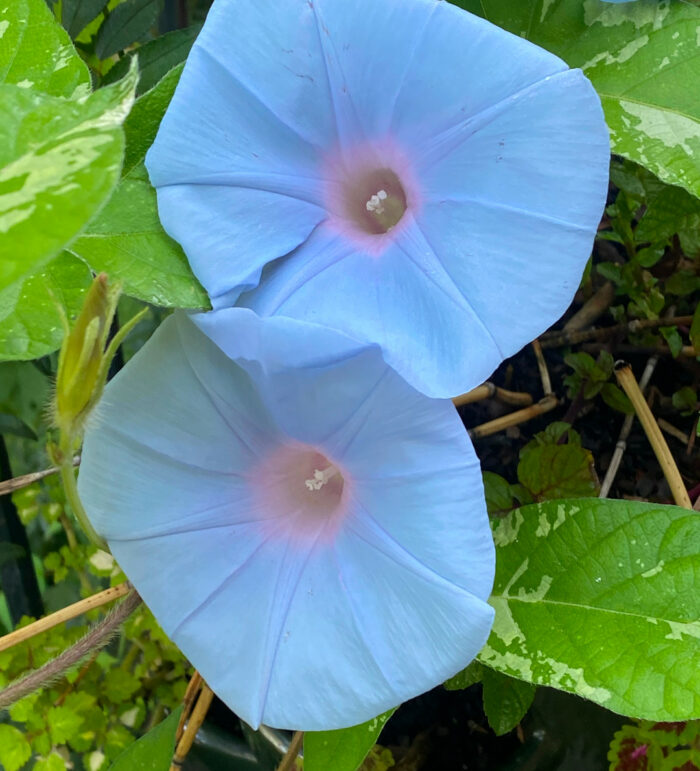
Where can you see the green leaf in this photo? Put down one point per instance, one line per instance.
(685, 400)
(672, 336)
(600, 598)
(128, 242)
(119, 686)
(152, 752)
(11, 424)
(557, 471)
(466, 678)
(157, 57)
(128, 23)
(77, 14)
(15, 750)
(695, 328)
(616, 398)
(144, 119)
(641, 58)
(670, 211)
(63, 723)
(61, 161)
(35, 52)
(30, 316)
(54, 762)
(506, 700)
(342, 750)
(499, 496)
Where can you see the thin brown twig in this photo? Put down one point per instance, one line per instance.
(487, 390)
(686, 352)
(289, 760)
(193, 688)
(65, 614)
(542, 367)
(193, 725)
(628, 383)
(592, 309)
(514, 418)
(621, 444)
(97, 637)
(17, 483)
(671, 430)
(555, 339)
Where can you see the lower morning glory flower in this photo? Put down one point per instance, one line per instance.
(308, 529)
(399, 170)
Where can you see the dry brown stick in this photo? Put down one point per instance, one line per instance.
(17, 483)
(592, 309)
(554, 339)
(193, 725)
(487, 390)
(671, 430)
(290, 757)
(65, 614)
(514, 418)
(628, 383)
(97, 637)
(621, 444)
(484, 391)
(542, 366)
(686, 352)
(193, 688)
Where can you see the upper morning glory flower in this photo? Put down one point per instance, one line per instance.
(429, 181)
(309, 529)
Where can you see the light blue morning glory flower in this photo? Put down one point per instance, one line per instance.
(400, 170)
(308, 529)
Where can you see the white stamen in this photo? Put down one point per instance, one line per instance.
(320, 478)
(374, 204)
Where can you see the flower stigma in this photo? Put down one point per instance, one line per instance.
(320, 478)
(375, 200)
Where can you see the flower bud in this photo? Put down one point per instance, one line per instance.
(82, 362)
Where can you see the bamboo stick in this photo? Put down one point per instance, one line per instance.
(65, 614)
(193, 725)
(289, 760)
(514, 418)
(628, 383)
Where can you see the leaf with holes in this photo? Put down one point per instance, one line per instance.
(642, 58)
(600, 598)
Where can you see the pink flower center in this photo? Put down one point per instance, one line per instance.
(369, 192)
(300, 490)
(374, 200)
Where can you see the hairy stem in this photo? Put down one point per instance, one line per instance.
(98, 636)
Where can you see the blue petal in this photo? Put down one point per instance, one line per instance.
(515, 197)
(403, 300)
(177, 428)
(323, 373)
(240, 140)
(390, 629)
(297, 630)
(462, 66)
(229, 233)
